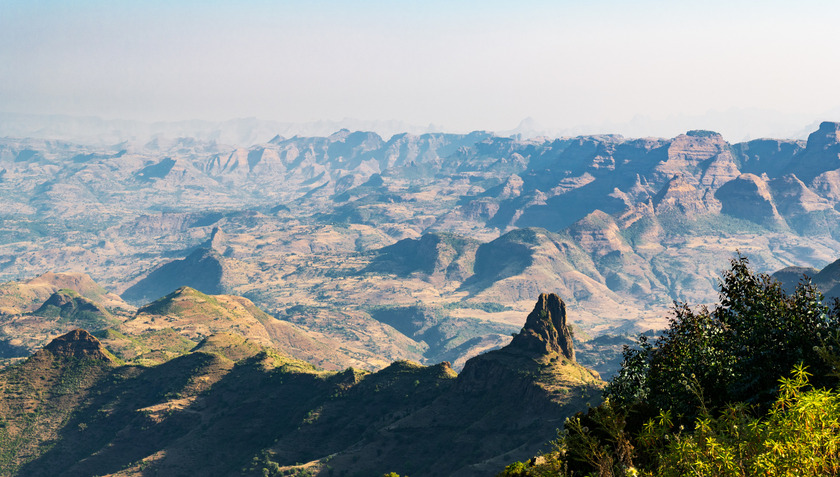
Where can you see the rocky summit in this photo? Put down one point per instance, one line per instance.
(545, 330)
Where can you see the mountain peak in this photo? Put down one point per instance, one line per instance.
(77, 344)
(545, 329)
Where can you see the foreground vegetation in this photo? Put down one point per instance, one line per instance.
(748, 388)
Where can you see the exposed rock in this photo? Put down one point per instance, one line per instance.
(792, 196)
(234, 163)
(719, 171)
(509, 189)
(688, 152)
(480, 209)
(827, 185)
(598, 234)
(545, 330)
(767, 155)
(217, 241)
(680, 196)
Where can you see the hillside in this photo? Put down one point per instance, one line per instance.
(36, 311)
(213, 411)
(25, 296)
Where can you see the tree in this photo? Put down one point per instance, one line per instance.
(736, 352)
(708, 396)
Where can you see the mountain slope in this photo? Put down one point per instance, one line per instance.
(215, 410)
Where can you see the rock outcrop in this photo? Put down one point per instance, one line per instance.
(217, 241)
(545, 329)
(536, 367)
(680, 196)
(821, 154)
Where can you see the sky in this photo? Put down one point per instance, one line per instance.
(746, 68)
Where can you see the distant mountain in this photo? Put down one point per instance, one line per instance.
(436, 256)
(231, 407)
(789, 277)
(243, 131)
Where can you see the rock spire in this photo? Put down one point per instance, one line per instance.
(545, 329)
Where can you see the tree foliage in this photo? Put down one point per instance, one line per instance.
(733, 353)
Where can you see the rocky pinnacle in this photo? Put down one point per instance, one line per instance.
(545, 329)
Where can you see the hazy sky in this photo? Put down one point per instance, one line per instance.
(461, 65)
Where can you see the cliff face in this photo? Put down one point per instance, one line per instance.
(822, 153)
(680, 196)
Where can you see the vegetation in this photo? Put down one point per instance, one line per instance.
(748, 388)
(486, 306)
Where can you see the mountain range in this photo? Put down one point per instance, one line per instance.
(422, 247)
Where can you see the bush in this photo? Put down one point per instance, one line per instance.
(799, 436)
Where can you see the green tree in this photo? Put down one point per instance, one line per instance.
(706, 397)
(735, 352)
